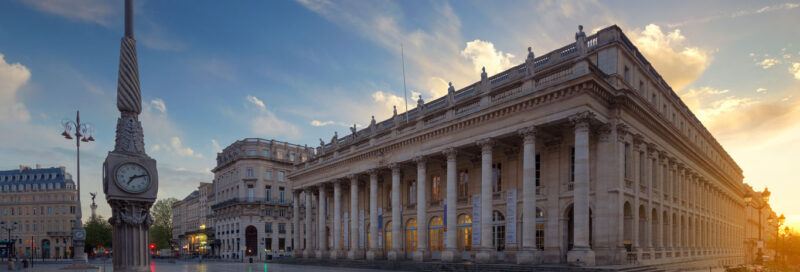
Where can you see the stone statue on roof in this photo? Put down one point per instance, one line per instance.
(394, 110)
(529, 62)
(483, 74)
(580, 41)
(420, 102)
(353, 130)
(321, 142)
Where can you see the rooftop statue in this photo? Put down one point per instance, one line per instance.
(394, 110)
(420, 102)
(529, 62)
(580, 41)
(483, 74)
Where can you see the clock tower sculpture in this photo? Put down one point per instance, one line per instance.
(130, 177)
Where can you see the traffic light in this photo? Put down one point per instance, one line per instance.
(152, 246)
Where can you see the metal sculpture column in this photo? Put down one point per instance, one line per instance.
(130, 177)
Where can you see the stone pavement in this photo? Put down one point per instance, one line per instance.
(194, 266)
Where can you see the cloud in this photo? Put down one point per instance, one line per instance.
(679, 65)
(767, 63)
(317, 123)
(484, 54)
(266, 123)
(92, 11)
(159, 105)
(217, 68)
(761, 90)
(12, 77)
(256, 101)
(795, 70)
(215, 146)
(177, 147)
(696, 99)
(735, 14)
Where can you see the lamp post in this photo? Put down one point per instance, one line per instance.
(80, 131)
(780, 221)
(748, 198)
(9, 229)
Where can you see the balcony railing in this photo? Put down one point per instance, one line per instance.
(247, 200)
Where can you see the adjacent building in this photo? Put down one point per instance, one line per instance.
(583, 155)
(192, 221)
(39, 206)
(252, 201)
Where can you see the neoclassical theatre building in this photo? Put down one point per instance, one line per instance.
(583, 155)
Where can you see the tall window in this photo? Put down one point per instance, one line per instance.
(498, 231)
(464, 232)
(436, 234)
(653, 166)
(436, 185)
(627, 160)
(411, 235)
(626, 75)
(412, 192)
(571, 164)
(497, 177)
(268, 175)
(265, 153)
(538, 170)
(281, 193)
(388, 233)
(540, 229)
(268, 227)
(281, 175)
(249, 172)
(250, 193)
(268, 193)
(641, 168)
(463, 183)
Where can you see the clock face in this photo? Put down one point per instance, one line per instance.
(132, 178)
(80, 235)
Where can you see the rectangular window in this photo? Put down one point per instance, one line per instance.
(72, 210)
(268, 193)
(463, 183)
(251, 152)
(281, 227)
(641, 87)
(571, 164)
(412, 192)
(268, 227)
(497, 177)
(282, 212)
(626, 75)
(268, 175)
(653, 166)
(436, 185)
(281, 193)
(641, 168)
(250, 193)
(538, 170)
(249, 172)
(281, 176)
(265, 153)
(268, 212)
(627, 160)
(291, 156)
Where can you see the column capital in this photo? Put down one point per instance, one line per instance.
(486, 145)
(582, 120)
(528, 134)
(450, 153)
(420, 159)
(622, 131)
(604, 132)
(352, 177)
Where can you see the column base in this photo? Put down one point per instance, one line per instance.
(337, 254)
(421, 256)
(528, 256)
(451, 256)
(355, 255)
(396, 255)
(581, 257)
(321, 254)
(374, 255)
(307, 254)
(485, 256)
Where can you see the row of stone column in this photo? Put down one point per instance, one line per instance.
(485, 251)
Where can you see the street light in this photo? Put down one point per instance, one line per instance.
(781, 219)
(9, 229)
(80, 136)
(748, 199)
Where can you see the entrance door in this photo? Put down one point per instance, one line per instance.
(46, 249)
(251, 241)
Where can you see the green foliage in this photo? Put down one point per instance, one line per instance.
(98, 233)
(161, 230)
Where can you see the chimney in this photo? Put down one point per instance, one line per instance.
(38, 166)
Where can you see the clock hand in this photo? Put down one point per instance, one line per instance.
(134, 177)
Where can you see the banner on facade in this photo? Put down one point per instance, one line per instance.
(346, 231)
(476, 220)
(361, 229)
(445, 214)
(380, 227)
(511, 216)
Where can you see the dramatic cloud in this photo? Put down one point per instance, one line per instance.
(159, 105)
(679, 65)
(738, 13)
(695, 99)
(12, 77)
(767, 63)
(795, 70)
(483, 54)
(93, 11)
(267, 124)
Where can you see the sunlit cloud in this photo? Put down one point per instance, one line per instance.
(267, 124)
(795, 70)
(484, 54)
(12, 77)
(767, 63)
(761, 90)
(679, 64)
(93, 11)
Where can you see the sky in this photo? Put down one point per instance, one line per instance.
(299, 71)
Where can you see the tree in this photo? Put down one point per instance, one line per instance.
(98, 233)
(161, 230)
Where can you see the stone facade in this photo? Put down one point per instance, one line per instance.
(42, 202)
(253, 196)
(583, 155)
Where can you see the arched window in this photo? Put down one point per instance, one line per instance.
(388, 234)
(436, 234)
(540, 229)
(498, 231)
(411, 235)
(464, 230)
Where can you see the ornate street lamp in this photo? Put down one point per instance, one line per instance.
(10, 250)
(80, 132)
(748, 199)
